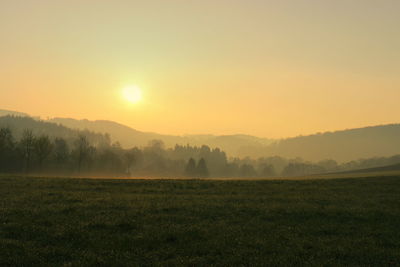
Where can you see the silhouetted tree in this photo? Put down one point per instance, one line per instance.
(7, 149)
(190, 169)
(202, 169)
(157, 146)
(247, 170)
(61, 150)
(232, 170)
(96, 153)
(42, 148)
(129, 160)
(82, 148)
(110, 162)
(268, 170)
(27, 143)
(154, 158)
(217, 162)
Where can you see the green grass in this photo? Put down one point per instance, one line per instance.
(75, 222)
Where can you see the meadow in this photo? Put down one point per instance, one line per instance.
(105, 222)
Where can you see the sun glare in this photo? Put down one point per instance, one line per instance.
(132, 94)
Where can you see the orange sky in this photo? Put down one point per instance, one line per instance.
(267, 68)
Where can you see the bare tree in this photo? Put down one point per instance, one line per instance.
(6, 148)
(82, 147)
(202, 169)
(60, 150)
(27, 145)
(43, 148)
(190, 169)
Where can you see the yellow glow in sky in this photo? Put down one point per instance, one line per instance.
(132, 94)
(275, 68)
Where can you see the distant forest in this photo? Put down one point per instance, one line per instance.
(342, 146)
(36, 147)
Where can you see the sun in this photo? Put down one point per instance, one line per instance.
(132, 94)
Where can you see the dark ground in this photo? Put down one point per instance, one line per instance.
(75, 222)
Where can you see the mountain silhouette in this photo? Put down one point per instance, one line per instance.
(344, 145)
(129, 137)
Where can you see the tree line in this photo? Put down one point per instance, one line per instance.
(40, 154)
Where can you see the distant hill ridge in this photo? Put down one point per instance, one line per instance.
(387, 168)
(343, 145)
(129, 137)
(4, 112)
(17, 124)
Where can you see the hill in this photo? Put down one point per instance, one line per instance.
(18, 124)
(389, 168)
(129, 137)
(342, 146)
(4, 112)
(345, 145)
(125, 135)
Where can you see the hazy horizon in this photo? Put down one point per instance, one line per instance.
(271, 69)
(199, 133)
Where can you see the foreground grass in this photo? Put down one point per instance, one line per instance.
(126, 223)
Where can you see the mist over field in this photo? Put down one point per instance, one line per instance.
(105, 148)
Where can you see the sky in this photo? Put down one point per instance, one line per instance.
(276, 68)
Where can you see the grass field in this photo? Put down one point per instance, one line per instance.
(73, 222)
